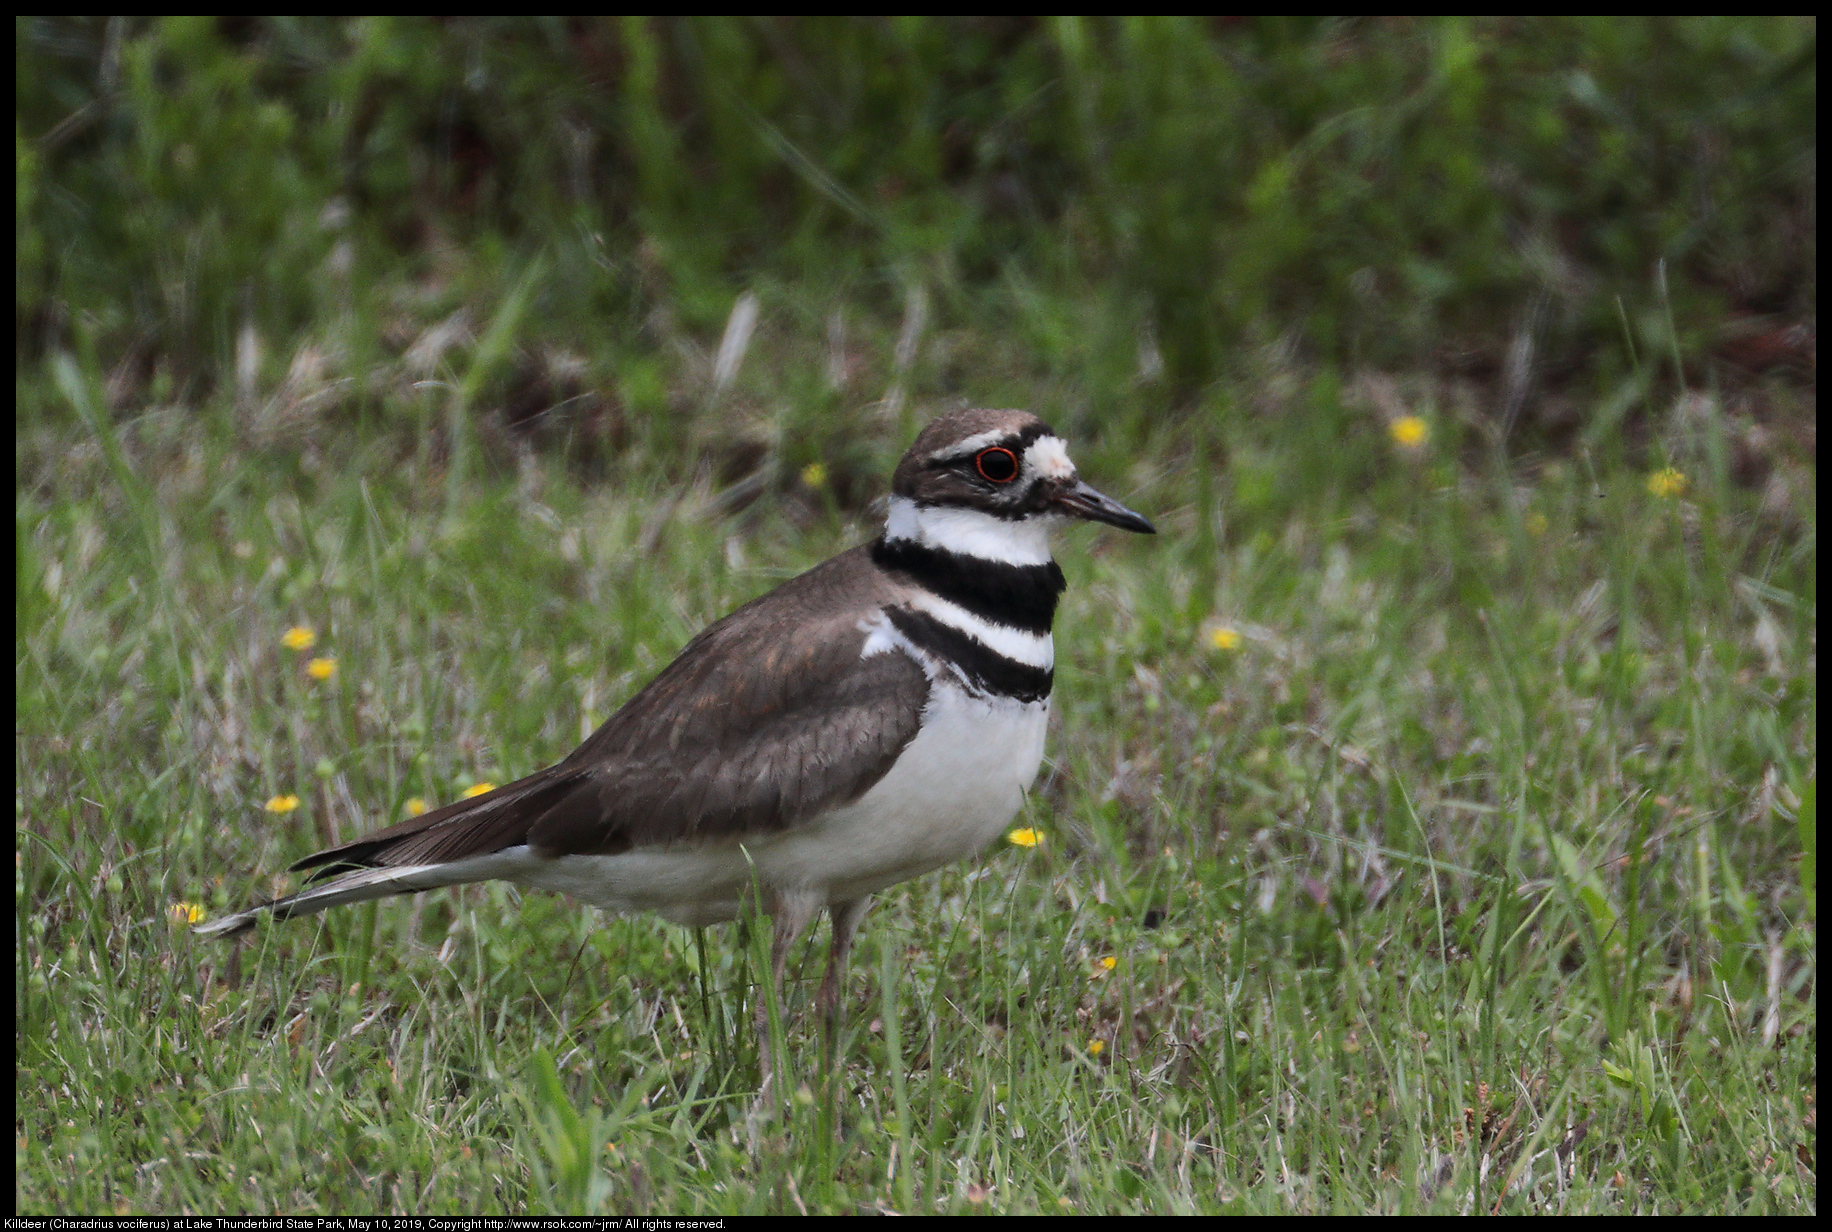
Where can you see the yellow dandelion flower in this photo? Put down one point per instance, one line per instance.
(1536, 524)
(1109, 963)
(1096, 1047)
(299, 638)
(1409, 432)
(282, 804)
(1666, 483)
(477, 789)
(1224, 638)
(321, 669)
(415, 806)
(1024, 838)
(186, 913)
(814, 475)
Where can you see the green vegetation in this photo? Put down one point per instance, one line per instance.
(1429, 824)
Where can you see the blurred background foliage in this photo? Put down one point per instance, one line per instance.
(1559, 213)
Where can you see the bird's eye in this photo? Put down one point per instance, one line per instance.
(998, 465)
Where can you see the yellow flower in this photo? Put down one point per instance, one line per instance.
(1096, 1047)
(282, 804)
(321, 669)
(299, 638)
(1409, 432)
(814, 475)
(1224, 638)
(1536, 524)
(1109, 963)
(415, 806)
(186, 913)
(1666, 483)
(1025, 837)
(477, 789)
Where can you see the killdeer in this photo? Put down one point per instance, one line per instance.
(871, 720)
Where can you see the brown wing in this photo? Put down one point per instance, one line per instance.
(768, 718)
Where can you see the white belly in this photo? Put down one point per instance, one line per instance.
(951, 792)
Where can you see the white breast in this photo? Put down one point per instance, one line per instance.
(955, 787)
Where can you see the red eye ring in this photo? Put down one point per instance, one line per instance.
(1004, 464)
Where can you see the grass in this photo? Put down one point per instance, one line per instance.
(1423, 831)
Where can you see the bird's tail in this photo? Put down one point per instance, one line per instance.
(471, 840)
(356, 887)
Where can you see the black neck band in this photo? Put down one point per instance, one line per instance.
(1018, 596)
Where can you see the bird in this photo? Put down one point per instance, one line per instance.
(869, 721)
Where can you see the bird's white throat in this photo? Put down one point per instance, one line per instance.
(968, 532)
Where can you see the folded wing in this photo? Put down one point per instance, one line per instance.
(769, 718)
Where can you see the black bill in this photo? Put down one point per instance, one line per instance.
(1081, 501)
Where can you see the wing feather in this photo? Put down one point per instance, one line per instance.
(767, 719)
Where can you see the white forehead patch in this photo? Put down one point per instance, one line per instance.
(1048, 458)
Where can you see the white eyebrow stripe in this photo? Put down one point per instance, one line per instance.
(972, 444)
(1018, 645)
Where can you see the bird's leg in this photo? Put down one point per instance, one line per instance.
(791, 913)
(846, 920)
